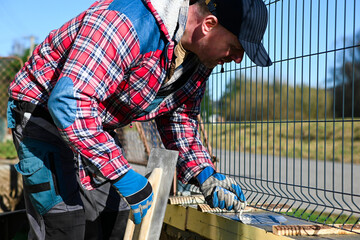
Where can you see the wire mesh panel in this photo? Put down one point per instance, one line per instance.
(10, 180)
(290, 133)
(9, 66)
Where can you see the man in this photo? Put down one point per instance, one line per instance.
(117, 62)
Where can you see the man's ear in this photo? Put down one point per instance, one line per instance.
(208, 24)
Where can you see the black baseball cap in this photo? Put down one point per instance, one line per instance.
(247, 19)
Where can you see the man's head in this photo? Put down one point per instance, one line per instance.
(219, 31)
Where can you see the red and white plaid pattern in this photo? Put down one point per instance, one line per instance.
(99, 51)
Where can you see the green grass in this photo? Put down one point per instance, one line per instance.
(7, 150)
(324, 218)
(333, 141)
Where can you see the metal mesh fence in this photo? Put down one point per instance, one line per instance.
(9, 66)
(290, 133)
(10, 180)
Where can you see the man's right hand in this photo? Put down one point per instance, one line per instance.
(138, 193)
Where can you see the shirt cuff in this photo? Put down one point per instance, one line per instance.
(204, 174)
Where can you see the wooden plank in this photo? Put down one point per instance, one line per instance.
(314, 230)
(11, 186)
(142, 231)
(203, 207)
(176, 216)
(212, 226)
(155, 181)
(274, 207)
(206, 208)
(187, 200)
(161, 167)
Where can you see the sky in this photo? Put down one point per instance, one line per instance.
(21, 19)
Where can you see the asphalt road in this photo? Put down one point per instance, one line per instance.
(304, 183)
(301, 182)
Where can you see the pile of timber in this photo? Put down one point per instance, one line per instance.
(278, 230)
(11, 186)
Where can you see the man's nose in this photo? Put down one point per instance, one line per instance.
(237, 57)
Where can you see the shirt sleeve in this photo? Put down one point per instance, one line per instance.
(179, 131)
(104, 47)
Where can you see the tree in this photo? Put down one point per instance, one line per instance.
(206, 106)
(262, 100)
(9, 66)
(346, 79)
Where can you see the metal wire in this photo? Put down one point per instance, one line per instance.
(307, 159)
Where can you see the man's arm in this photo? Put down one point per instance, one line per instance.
(98, 57)
(179, 131)
(104, 47)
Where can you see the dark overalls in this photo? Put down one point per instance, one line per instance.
(52, 191)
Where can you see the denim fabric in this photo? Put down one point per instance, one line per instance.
(10, 117)
(36, 165)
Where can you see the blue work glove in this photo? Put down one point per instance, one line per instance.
(221, 191)
(138, 193)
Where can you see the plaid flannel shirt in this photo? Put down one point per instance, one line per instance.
(102, 52)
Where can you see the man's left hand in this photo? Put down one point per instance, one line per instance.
(221, 191)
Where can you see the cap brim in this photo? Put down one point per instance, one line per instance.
(257, 53)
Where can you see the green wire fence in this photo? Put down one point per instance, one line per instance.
(290, 133)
